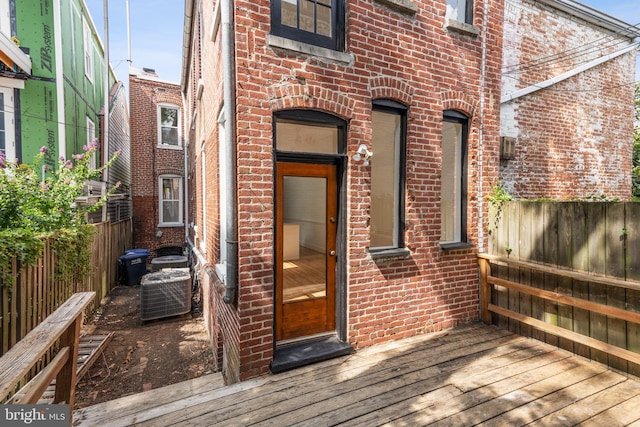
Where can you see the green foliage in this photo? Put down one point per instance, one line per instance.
(36, 204)
(499, 195)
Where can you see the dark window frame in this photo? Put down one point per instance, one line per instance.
(336, 42)
(390, 106)
(454, 116)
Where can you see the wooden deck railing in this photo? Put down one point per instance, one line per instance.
(488, 306)
(62, 327)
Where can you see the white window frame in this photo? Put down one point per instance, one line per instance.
(5, 18)
(161, 144)
(91, 136)
(9, 124)
(223, 197)
(203, 174)
(87, 42)
(161, 200)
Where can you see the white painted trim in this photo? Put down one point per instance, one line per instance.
(12, 83)
(564, 76)
(57, 29)
(21, 59)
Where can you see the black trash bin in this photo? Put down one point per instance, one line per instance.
(134, 264)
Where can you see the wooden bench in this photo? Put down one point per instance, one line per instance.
(64, 325)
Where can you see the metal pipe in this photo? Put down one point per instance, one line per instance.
(228, 85)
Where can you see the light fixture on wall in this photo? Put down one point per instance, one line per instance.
(363, 151)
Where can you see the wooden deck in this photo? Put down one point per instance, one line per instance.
(471, 375)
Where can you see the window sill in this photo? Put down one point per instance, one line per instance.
(389, 253)
(221, 272)
(452, 246)
(308, 49)
(171, 224)
(461, 27)
(405, 6)
(170, 147)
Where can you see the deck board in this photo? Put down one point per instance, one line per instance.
(471, 375)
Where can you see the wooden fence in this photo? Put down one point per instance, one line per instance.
(542, 245)
(37, 293)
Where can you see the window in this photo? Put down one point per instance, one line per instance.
(460, 10)
(203, 163)
(169, 128)
(453, 198)
(170, 200)
(316, 22)
(224, 196)
(88, 50)
(7, 131)
(387, 175)
(91, 136)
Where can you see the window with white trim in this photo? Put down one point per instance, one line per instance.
(203, 162)
(170, 200)
(91, 137)
(7, 130)
(88, 50)
(169, 125)
(223, 199)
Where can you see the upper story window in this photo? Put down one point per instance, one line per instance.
(168, 125)
(388, 123)
(91, 137)
(316, 22)
(88, 50)
(7, 130)
(453, 186)
(460, 10)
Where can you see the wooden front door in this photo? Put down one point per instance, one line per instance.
(306, 226)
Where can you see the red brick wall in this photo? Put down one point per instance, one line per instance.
(408, 58)
(148, 161)
(575, 139)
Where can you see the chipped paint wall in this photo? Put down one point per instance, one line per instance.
(574, 138)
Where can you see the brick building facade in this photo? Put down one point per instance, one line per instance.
(410, 82)
(157, 162)
(567, 101)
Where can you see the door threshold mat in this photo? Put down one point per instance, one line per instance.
(307, 352)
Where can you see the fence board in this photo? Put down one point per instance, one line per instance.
(580, 239)
(565, 284)
(615, 266)
(550, 254)
(537, 278)
(526, 247)
(514, 273)
(632, 258)
(596, 223)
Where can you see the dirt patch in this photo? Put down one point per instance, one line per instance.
(142, 355)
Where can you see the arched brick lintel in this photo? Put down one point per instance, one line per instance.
(459, 101)
(383, 87)
(295, 96)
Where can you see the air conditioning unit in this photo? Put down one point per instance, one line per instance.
(165, 293)
(169, 261)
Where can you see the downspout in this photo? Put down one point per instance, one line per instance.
(186, 43)
(483, 85)
(228, 60)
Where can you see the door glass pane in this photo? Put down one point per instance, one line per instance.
(304, 238)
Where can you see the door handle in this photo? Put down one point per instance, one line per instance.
(332, 253)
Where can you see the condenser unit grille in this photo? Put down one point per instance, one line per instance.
(165, 293)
